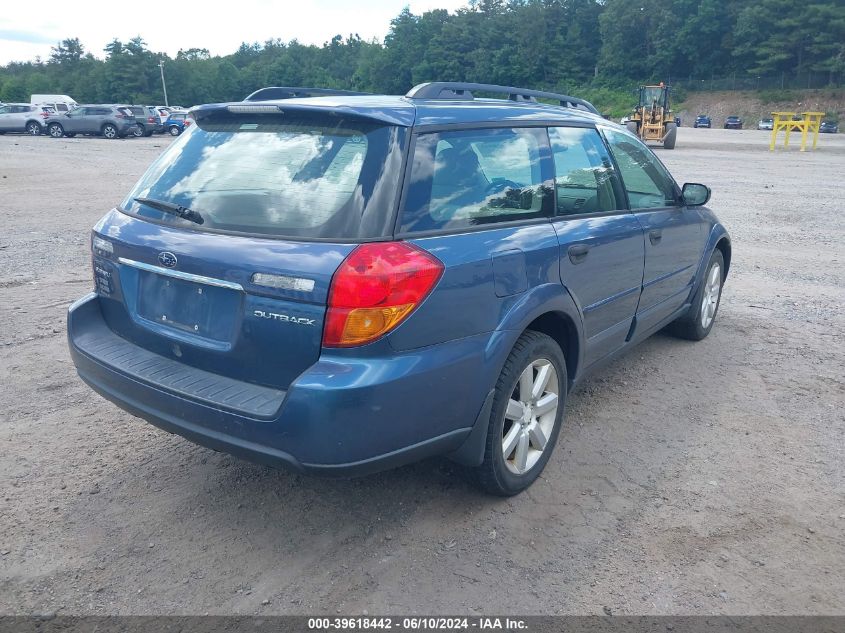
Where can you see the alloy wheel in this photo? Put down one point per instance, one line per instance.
(530, 416)
(710, 298)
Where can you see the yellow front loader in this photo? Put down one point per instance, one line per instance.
(652, 119)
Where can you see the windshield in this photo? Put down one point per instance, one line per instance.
(297, 174)
(650, 95)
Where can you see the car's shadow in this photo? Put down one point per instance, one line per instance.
(222, 488)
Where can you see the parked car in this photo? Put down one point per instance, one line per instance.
(702, 120)
(733, 122)
(23, 118)
(829, 127)
(177, 122)
(765, 124)
(110, 121)
(147, 120)
(262, 291)
(60, 103)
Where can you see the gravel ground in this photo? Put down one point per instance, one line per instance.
(690, 478)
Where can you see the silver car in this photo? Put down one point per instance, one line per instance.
(23, 117)
(110, 121)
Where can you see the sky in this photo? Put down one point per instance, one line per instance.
(218, 26)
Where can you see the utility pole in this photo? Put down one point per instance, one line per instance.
(163, 85)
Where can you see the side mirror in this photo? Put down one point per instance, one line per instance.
(694, 194)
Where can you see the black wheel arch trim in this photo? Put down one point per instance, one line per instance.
(720, 239)
(536, 303)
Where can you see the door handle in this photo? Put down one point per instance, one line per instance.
(578, 253)
(655, 236)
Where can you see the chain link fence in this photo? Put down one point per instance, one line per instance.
(782, 81)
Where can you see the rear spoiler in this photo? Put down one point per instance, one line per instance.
(397, 115)
(287, 92)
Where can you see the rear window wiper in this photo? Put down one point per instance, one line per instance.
(174, 209)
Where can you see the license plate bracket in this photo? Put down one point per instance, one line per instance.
(200, 309)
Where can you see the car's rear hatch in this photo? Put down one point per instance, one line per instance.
(246, 308)
(284, 198)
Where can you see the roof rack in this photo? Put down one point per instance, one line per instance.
(462, 91)
(287, 92)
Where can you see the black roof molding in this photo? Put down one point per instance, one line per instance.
(272, 93)
(461, 91)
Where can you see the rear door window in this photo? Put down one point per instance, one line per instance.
(584, 177)
(293, 175)
(468, 178)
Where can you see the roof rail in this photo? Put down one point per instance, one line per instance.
(462, 91)
(287, 92)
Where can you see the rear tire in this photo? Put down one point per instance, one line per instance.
(33, 128)
(670, 136)
(699, 319)
(55, 130)
(138, 131)
(526, 415)
(109, 131)
(174, 130)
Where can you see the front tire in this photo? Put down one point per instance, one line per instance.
(55, 130)
(526, 415)
(699, 319)
(670, 136)
(175, 131)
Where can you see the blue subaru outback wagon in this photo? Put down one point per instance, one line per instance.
(347, 283)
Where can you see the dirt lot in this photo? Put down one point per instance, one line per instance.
(689, 478)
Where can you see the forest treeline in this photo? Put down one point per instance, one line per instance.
(551, 44)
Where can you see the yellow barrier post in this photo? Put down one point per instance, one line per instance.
(814, 122)
(781, 122)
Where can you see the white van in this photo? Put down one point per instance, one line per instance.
(61, 103)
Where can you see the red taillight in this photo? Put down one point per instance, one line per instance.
(151, 119)
(187, 122)
(118, 115)
(376, 287)
(44, 115)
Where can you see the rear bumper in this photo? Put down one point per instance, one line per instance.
(344, 416)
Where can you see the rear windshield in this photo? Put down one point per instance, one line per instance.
(296, 174)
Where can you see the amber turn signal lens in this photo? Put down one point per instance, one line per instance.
(367, 324)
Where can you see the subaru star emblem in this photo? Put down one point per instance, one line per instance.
(167, 259)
